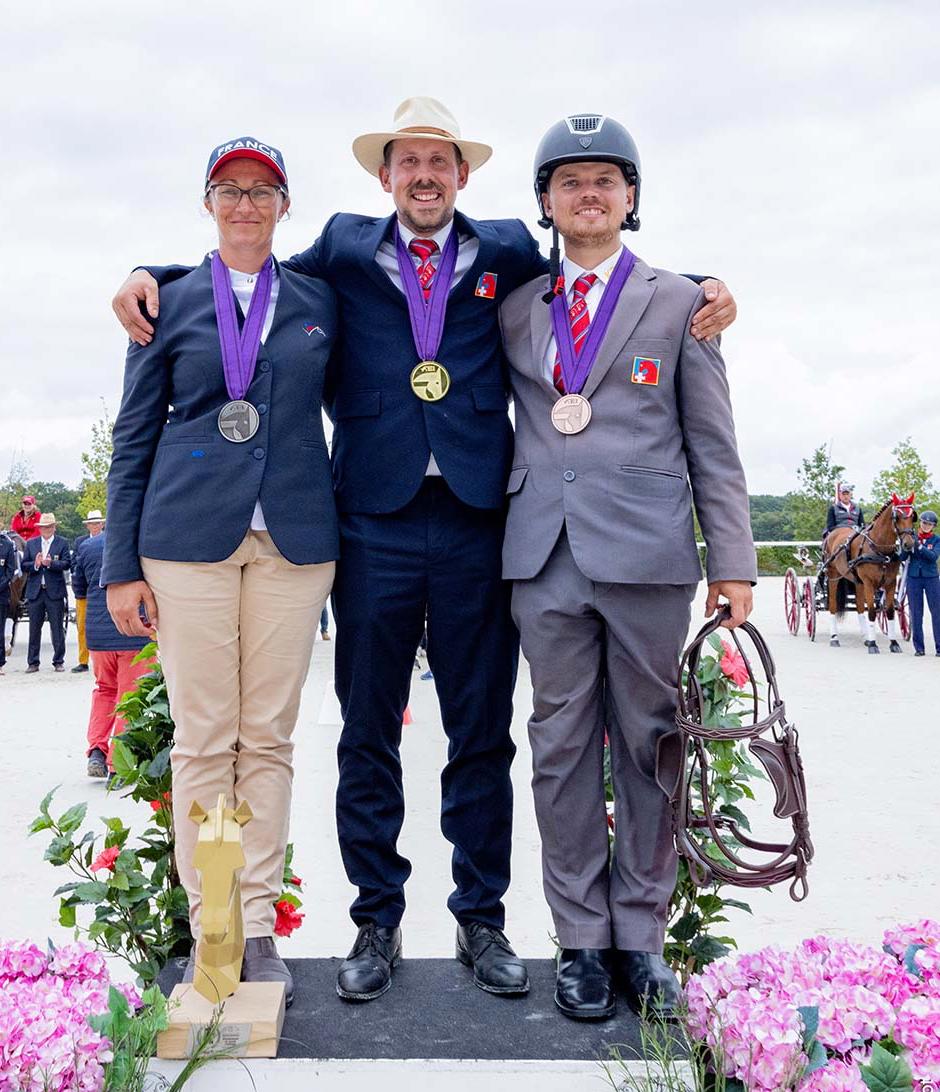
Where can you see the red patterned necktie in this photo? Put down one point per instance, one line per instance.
(580, 320)
(424, 249)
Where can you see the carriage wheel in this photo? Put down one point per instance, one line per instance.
(791, 601)
(809, 608)
(904, 619)
(883, 620)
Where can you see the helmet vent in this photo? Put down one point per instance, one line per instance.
(585, 123)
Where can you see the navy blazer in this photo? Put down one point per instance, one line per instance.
(55, 574)
(7, 567)
(926, 554)
(383, 434)
(101, 633)
(177, 489)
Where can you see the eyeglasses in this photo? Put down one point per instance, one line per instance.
(261, 197)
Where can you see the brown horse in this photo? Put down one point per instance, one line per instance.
(869, 558)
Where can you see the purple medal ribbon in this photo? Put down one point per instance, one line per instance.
(575, 369)
(427, 315)
(240, 350)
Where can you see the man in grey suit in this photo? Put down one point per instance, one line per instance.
(622, 420)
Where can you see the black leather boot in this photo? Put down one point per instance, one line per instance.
(584, 988)
(366, 973)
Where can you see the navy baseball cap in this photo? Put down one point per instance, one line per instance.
(246, 148)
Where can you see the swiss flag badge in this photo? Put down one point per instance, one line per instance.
(645, 371)
(486, 286)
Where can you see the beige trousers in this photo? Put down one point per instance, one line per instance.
(235, 642)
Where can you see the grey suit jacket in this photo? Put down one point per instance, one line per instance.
(622, 486)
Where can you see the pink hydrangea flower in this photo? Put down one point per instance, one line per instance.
(918, 1029)
(836, 1076)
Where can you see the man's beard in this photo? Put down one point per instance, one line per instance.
(589, 234)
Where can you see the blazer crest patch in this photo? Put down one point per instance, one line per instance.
(486, 286)
(645, 371)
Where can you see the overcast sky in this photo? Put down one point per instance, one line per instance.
(790, 148)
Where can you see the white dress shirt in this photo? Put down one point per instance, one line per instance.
(44, 552)
(243, 285)
(468, 246)
(571, 272)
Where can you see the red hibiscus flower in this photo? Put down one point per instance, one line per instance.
(165, 801)
(734, 665)
(288, 919)
(296, 881)
(106, 859)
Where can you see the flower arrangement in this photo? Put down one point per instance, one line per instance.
(827, 1016)
(47, 1043)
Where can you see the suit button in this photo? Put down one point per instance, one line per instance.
(264, 366)
(569, 475)
(258, 453)
(262, 408)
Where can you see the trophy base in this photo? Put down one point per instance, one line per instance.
(250, 1026)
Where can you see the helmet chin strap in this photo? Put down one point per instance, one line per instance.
(555, 279)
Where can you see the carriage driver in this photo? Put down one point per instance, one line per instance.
(843, 512)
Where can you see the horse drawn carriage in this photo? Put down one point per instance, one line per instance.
(859, 569)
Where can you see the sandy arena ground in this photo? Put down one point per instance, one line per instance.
(870, 748)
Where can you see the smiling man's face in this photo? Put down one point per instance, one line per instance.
(588, 201)
(423, 177)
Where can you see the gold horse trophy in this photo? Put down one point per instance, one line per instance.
(219, 858)
(253, 1013)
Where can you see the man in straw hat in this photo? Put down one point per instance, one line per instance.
(46, 559)
(421, 452)
(94, 521)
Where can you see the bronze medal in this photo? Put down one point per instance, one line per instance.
(238, 421)
(571, 414)
(430, 381)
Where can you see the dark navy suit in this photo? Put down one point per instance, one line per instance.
(416, 548)
(413, 547)
(100, 631)
(46, 595)
(7, 570)
(177, 489)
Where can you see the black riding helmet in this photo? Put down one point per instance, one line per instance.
(583, 138)
(587, 138)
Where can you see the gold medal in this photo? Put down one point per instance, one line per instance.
(430, 381)
(571, 414)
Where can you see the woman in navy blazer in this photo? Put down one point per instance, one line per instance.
(222, 527)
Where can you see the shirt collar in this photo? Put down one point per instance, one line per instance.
(604, 271)
(439, 237)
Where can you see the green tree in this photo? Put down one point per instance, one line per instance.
(95, 465)
(13, 488)
(907, 474)
(808, 505)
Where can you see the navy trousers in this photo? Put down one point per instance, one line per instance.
(51, 607)
(435, 559)
(4, 614)
(919, 589)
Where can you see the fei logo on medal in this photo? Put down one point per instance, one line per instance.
(645, 371)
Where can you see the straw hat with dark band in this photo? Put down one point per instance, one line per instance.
(419, 118)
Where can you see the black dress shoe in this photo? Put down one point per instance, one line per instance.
(79, 668)
(584, 988)
(32, 669)
(496, 967)
(367, 970)
(921, 653)
(650, 985)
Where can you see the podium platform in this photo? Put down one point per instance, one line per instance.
(433, 1029)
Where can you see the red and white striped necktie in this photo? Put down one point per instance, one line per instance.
(579, 320)
(424, 250)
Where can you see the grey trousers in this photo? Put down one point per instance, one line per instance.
(602, 656)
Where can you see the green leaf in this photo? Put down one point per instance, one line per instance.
(93, 892)
(686, 927)
(886, 1073)
(706, 949)
(809, 1014)
(72, 819)
(59, 850)
(817, 1057)
(46, 801)
(160, 764)
(123, 760)
(41, 822)
(738, 905)
(119, 882)
(67, 914)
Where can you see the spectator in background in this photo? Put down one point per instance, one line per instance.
(94, 521)
(325, 624)
(112, 654)
(26, 521)
(8, 570)
(45, 562)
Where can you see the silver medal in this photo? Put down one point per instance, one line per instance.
(238, 421)
(571, 414)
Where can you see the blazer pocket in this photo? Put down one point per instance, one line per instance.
(647, 481)
(358, 404)
(490, 399)
(516, 477)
